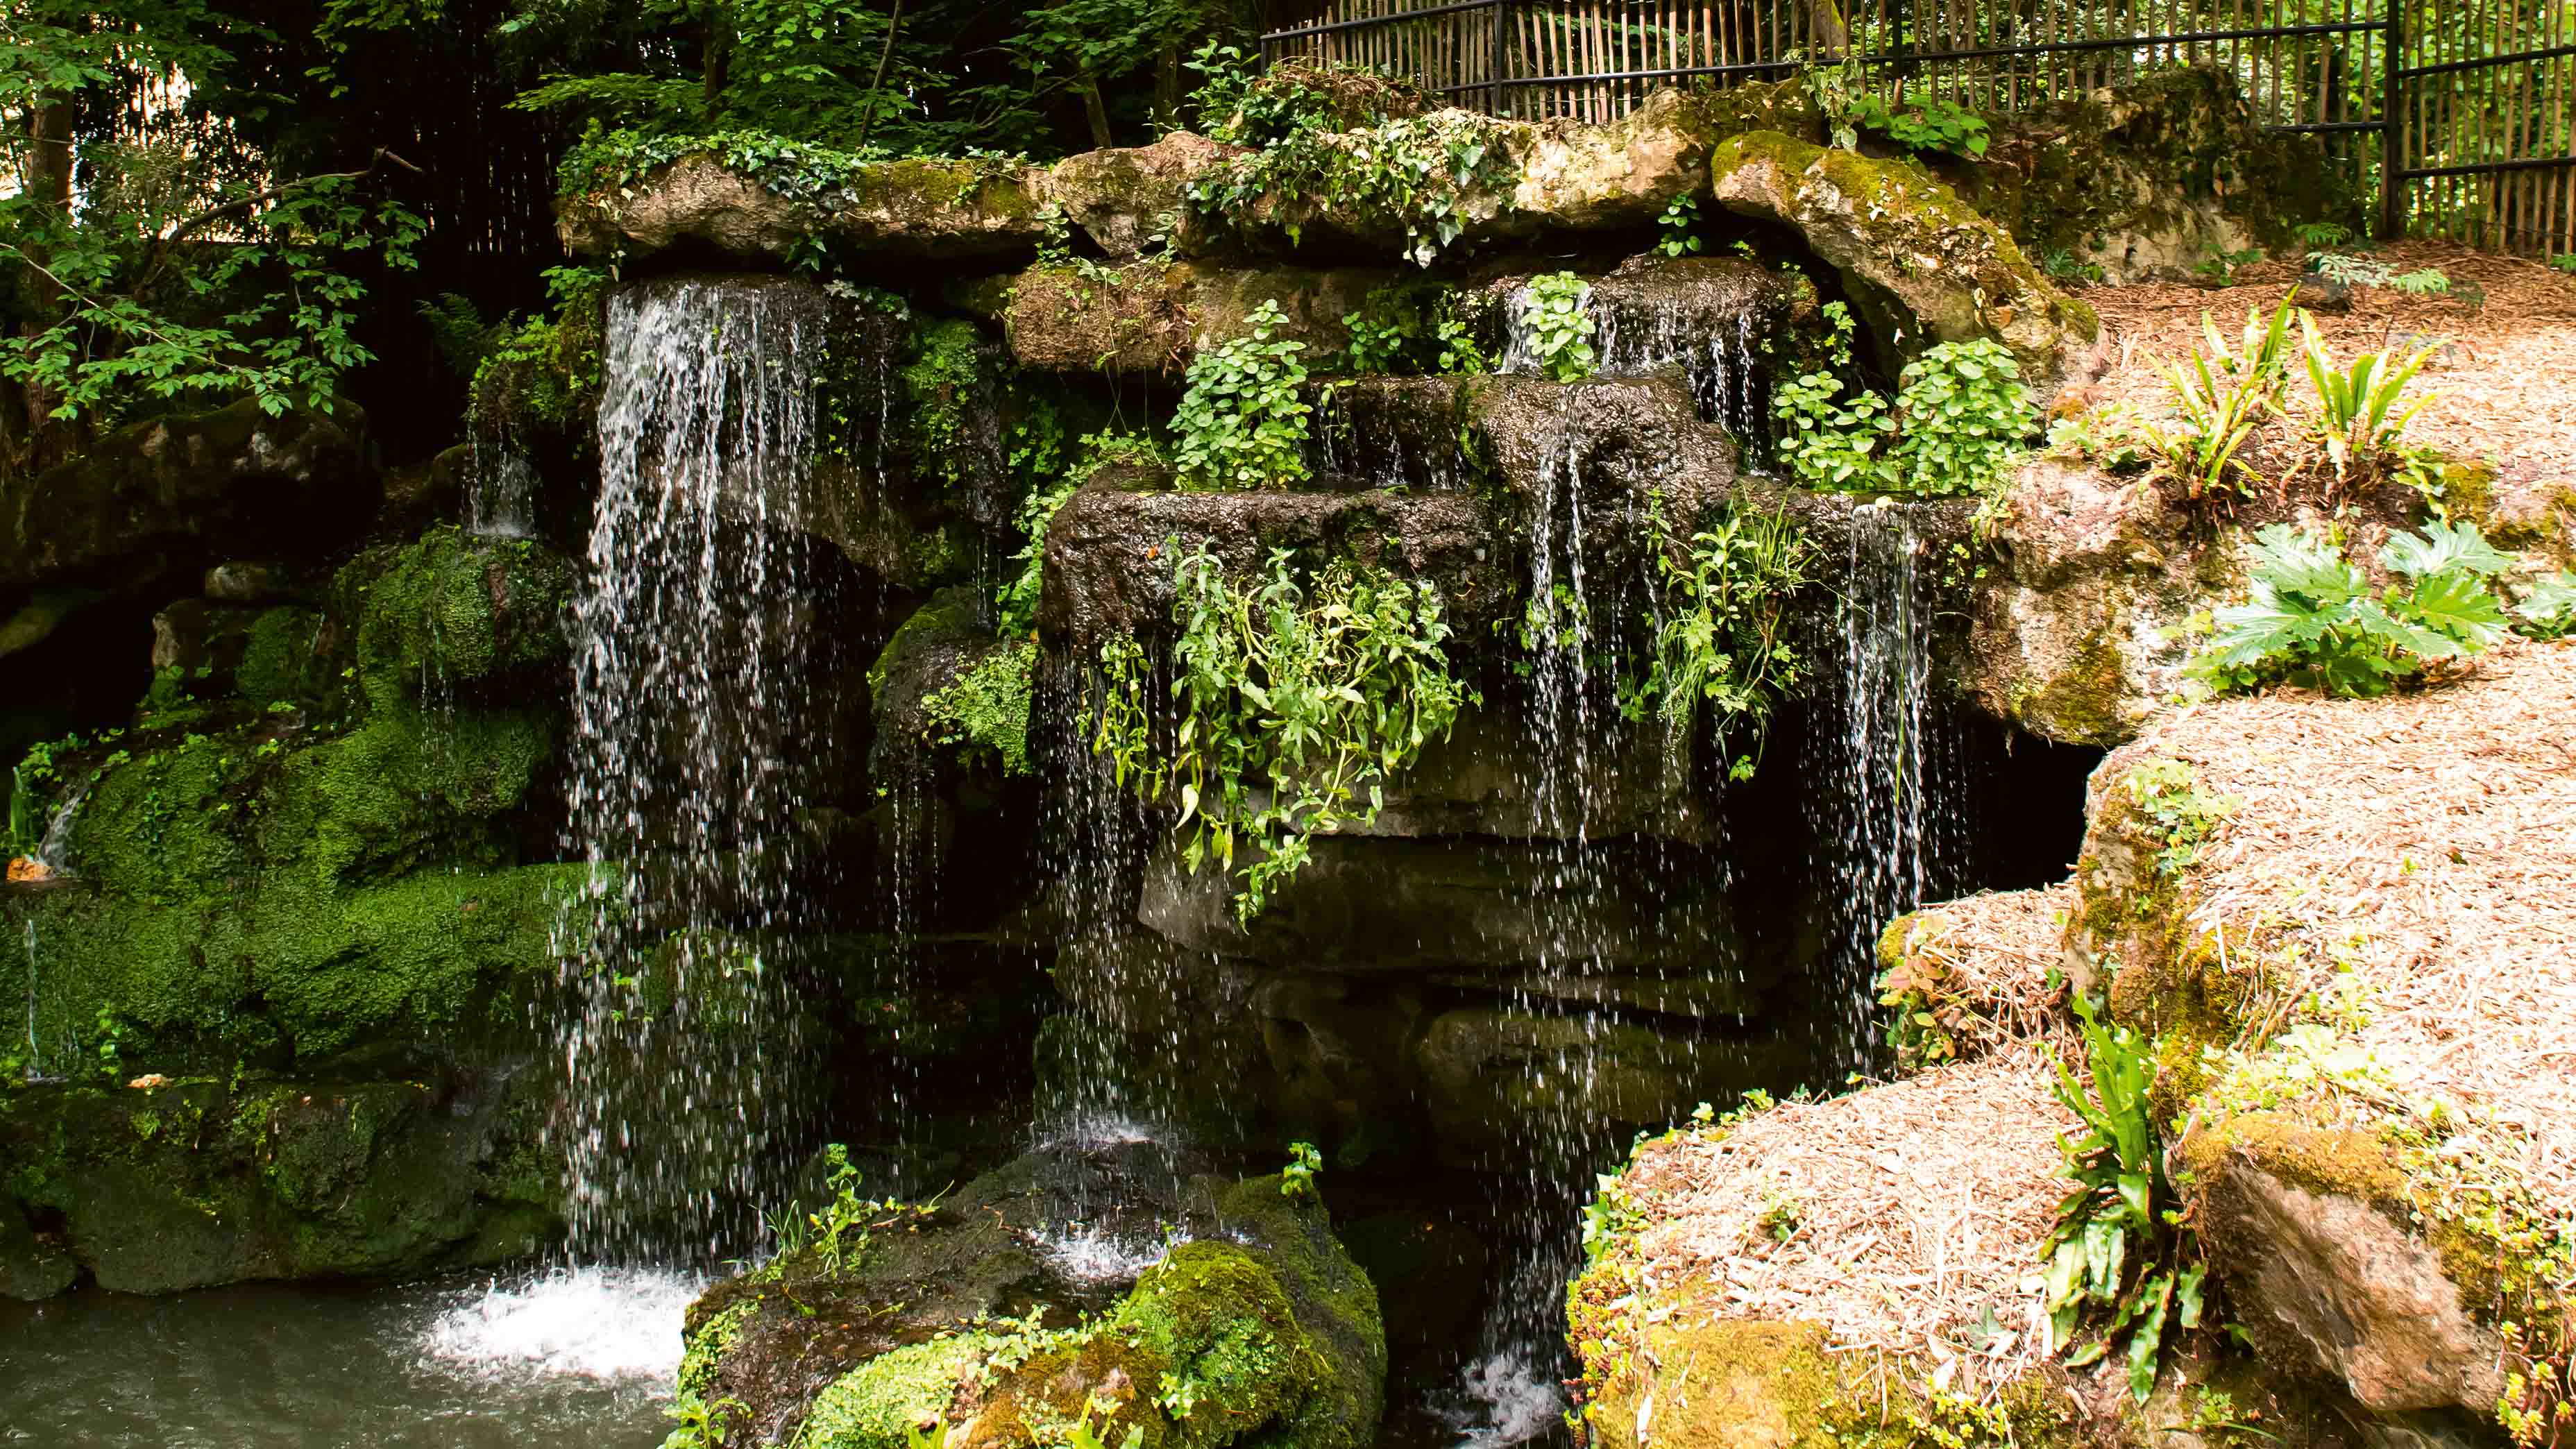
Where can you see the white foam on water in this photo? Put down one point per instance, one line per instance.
(595, 1323)
(1088, 1255)
(1094, 1132)
(1503, 1400)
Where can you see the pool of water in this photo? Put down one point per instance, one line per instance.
(536, 1361)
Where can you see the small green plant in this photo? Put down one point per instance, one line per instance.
(1610, 1218)
(1677, 230)
(988, 705)
(2120, 1248)
(2547, 607)
(2347, 269)
(697, 1424)
(1242, 423)
(1086, 1437)
(1559, 326)
(1921, 122)
(2222, 267)
(933, 1435)
(2359, 422)
(2563, 262)
(1722, 626)
(1297, 1179)
(2321, 235)
(1412, 172)
(2062, 264)
(2312, 619)
(1780, 1219)
(2186, 817)
(1298, 701)
(1411, 328)
(845, 1214)
(1961, 416)
(2219, 397)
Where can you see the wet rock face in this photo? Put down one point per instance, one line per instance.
(1920, 263)
(1231, 1289)
(1154, 317)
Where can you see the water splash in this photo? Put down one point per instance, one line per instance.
(1725, 373)
(595, 1323)
(53, 852)
(501, 489)
(696, 675)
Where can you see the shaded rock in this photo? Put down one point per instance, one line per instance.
(2146, 180)
(217, 649)
(33, 1265)
(1495, 1080)
(45, 611)
(1154, 316)
(1124, 198)
(918, 209)
(1921, 264)
(149, 507)
(253, 583)
(197, 1183)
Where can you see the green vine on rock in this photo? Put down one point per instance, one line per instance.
(1721, 636)
(1297, 702)
(1561, 327)
(1242, 423)
(1414, 173)
(1960, 419)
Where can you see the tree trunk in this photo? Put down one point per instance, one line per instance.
(1096, 110)
(1829, 37)
(1167, 88)
(49, 184)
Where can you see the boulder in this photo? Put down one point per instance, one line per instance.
(1126, 197)
(1922, 265)
(149, 507)
(919, 210)
(1155, 316)
(1224, 1312)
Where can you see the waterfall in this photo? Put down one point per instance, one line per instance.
(1882, 813)
(501, 489)
(1720, 363)
(692, 681)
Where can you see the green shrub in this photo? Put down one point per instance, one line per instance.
(988, 705)
(2120, 1245)
(2219, 397)
(1560, 328)
(1411, 173)
(1677, 230)
(2547, 608)
(1921, 123)
(2313, 619)
(1297, 702)
(1721, 637)
(1961, 416)
(1411, 328)
(1242, 423)
(2359, 422)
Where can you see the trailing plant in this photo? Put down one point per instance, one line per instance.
(940, 381)
(2186, 817)
(1242, 423)
(845, 1214)
(1560, 328)
(1677, 229)
(1921, 122)
(1412, 173)
(2313, 619)
(1238, 103)
(988, 705)
(1297, 702)
(2219, 397)
(2359, 422)
(1961, 416)
(2120, 1247)
(1721, 631)
(1297, 1179)
(1411, 328)
(2547, 607)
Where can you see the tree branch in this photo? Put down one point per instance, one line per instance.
(163, 247)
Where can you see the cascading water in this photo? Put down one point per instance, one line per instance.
(690, 690)
(1883, 815)
(1726, 377)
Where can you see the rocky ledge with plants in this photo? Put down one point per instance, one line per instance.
(2255, 1131)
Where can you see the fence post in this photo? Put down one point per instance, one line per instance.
(2392, 136)
(1497, 58)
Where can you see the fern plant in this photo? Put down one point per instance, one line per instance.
(2359, 422)
(2219, 397)
(2120, 1257)
(2313, 619)
(1298, 701)
(1242, 423)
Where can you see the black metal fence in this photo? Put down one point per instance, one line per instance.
(2459, 114)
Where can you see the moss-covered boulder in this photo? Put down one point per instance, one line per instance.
(1247, 1323)
(1152, 317)
(325, 889)
(179, 1183)
(1922, 264)
(1125, 198)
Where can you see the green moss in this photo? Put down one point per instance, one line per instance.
(942, 380)
(2084, 703)
(279, 662)
(872, 1406)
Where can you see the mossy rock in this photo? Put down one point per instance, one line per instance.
(1261, 1329)
(192, 1182)
(919, 209)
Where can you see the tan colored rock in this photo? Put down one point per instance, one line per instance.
(1620, 175)
(1921, 264)
(914, 209)
(1154, 317)
(1123, 198)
